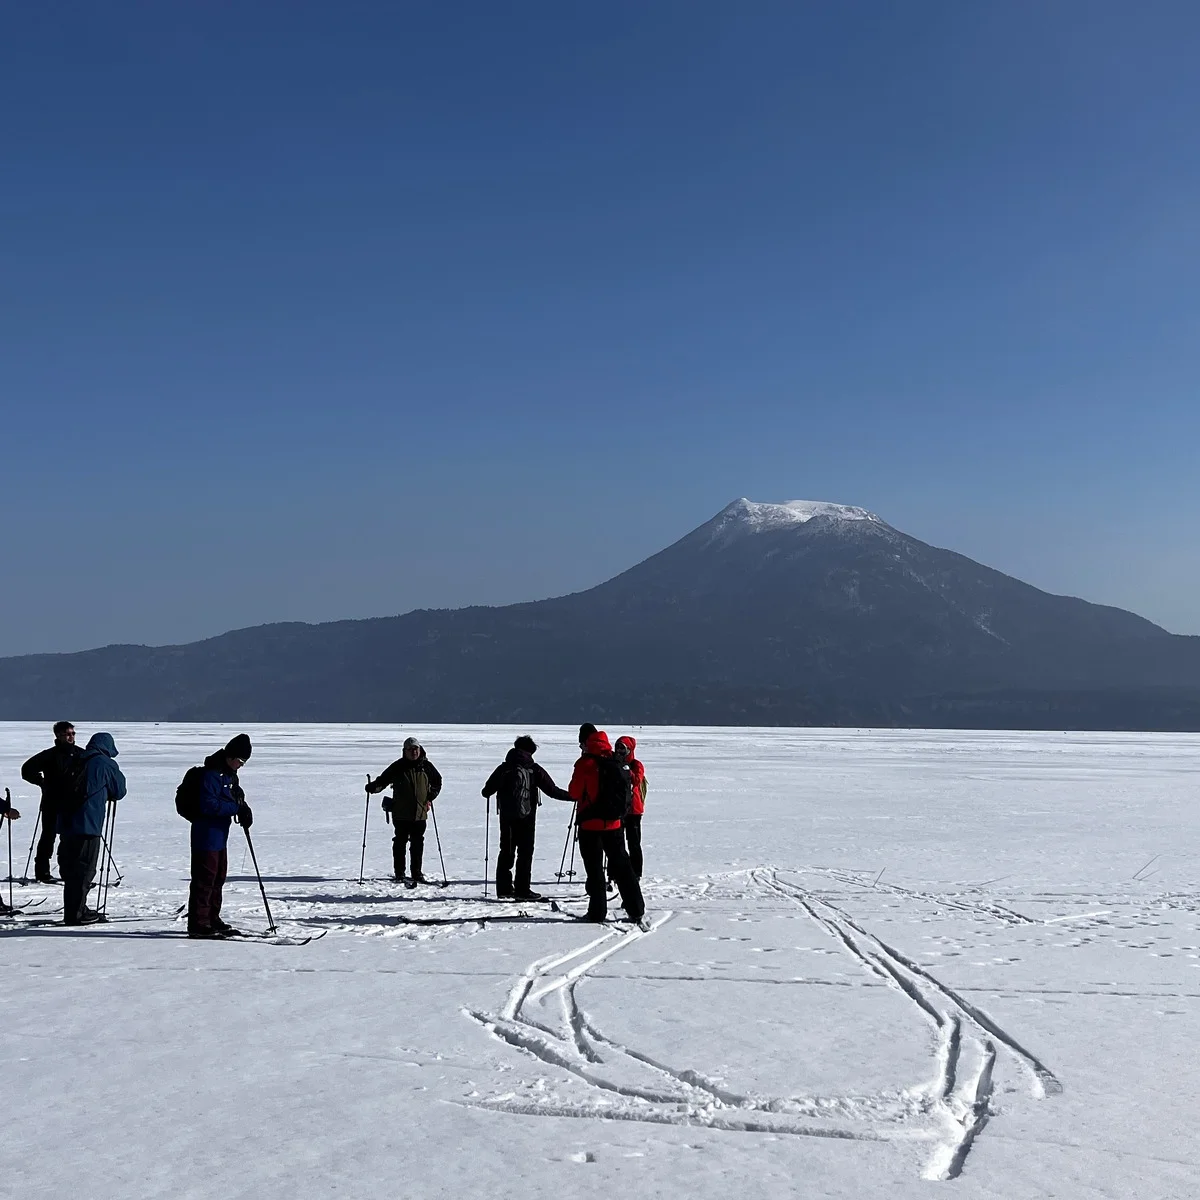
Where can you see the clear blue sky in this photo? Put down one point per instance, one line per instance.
(324, 310)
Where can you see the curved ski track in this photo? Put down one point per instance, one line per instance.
(963, 1104)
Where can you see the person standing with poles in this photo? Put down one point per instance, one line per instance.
(8, 815)
(415, 784)
(211, 797)
(82, 817)
(53, 771)
(601, 785)
(517, 783)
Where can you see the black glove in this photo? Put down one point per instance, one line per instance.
(244, 817)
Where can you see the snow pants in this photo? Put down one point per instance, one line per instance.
(516, 838)
(594, 845)
(45, 842)
(411, 834)
(78, 856)
(209, 868)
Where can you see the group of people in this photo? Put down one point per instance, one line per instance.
(77, 787)
(608, 789)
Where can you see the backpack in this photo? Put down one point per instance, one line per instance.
(516, 791)
(187, 794)
(615, 797)
(75, 791)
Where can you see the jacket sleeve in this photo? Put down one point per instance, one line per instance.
(580, 778)
(435, 780)
(214, 800)
(116, 782)
(493, 781)
(548, 786)
(387, 778)
(34, 770)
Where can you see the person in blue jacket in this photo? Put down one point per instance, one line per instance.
(81, 825)
(220, 801)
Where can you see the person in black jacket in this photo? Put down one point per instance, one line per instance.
(516, 784)
(53, 771)
(415, 785)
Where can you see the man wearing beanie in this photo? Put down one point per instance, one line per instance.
(517, 784)
(415, 783)
(219, 799)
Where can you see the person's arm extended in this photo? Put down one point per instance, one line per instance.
(548, 786)
(435, 780)
(388, 777)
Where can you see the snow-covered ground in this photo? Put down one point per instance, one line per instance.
(879, 959)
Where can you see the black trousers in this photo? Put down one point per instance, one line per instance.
(78, 856)
(594, 846)
(45, 842)
(209, 868)
(516, 838)
(633, 842)
(411, 834)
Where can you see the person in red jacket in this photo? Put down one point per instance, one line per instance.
(599, 813)
(624, 750)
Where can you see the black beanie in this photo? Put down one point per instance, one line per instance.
(585, 732)
(239, 747)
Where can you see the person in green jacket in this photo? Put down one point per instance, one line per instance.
(415, 783)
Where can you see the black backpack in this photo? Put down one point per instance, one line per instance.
(187, 794)
(74, 790)
(615, 797)
(516, 791)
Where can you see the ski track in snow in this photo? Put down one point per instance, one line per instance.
(543, 1019)
(964, 1104)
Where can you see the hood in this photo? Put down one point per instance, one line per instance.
(103, 742)
(217, 762)
(630, 742)
(521, 758)
(598, 743)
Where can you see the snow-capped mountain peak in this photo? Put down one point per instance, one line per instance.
(749, 517)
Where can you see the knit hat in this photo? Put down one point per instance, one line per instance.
(239, 747)
(411, 743)
(585, 732)
(526, 743)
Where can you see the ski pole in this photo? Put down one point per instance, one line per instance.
(33, 842)
(112, 862)
(433, 814)
(258, 874)
(110, 824)
(8, 822)
(487, 843)
(562, 862)
(574, 843)
(362, 866)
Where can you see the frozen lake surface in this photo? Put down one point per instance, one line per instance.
(881, 963)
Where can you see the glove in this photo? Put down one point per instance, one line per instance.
(244, 817)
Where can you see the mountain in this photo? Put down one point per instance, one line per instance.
(797, 613)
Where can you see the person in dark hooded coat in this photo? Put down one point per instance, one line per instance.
(415, 783)
(517, 783)
(219, 801)
(7, 813)
(81, 825)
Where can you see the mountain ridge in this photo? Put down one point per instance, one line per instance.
(807, 611)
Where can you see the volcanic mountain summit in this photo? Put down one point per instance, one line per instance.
(798, 613)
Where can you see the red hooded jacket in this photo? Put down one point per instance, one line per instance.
(638, 772)
(585, 782)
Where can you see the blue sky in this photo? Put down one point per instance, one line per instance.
(312, 311)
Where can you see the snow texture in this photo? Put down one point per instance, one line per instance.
(878, 963)
(747, 517)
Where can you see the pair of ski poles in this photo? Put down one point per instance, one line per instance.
(362, 866)
(37, 824)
